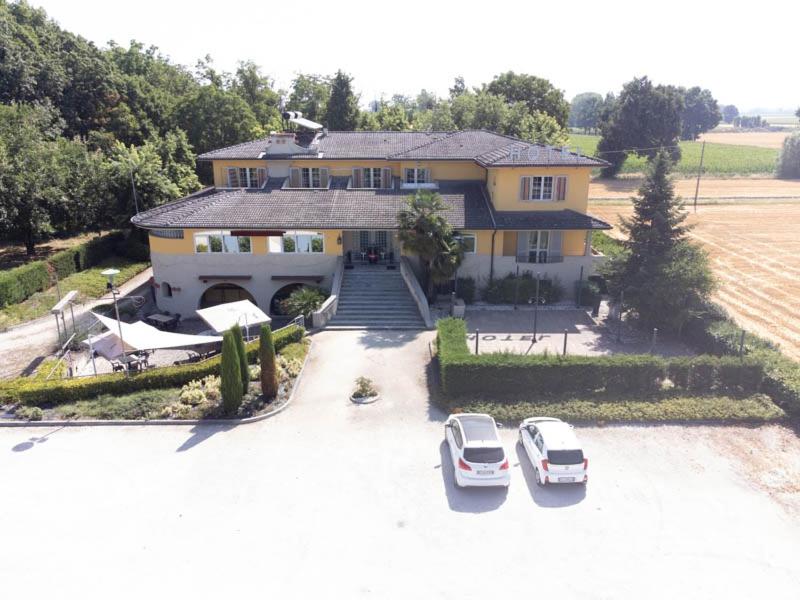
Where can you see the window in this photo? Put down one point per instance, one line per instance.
(538, 243)
(468, 243)
(307, 177)
(565, 457)
(381, 239)
(543, 188)
(222, 242)
(484, 455)
(246, 177)
(166, 289)
(371, 178)
(303, 242)
(416, 176)
(363, 239)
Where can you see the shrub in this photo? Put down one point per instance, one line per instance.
(238, 338)
(364, 388)
(589, 292)
(523, 288)
(269, 379)
(501, 374)
(789, 160)
(605, 244)
(19, 283)
(29, 413)
(70, 390)
(466, 289)
(303, 301)
(713, 332)
(231, 373)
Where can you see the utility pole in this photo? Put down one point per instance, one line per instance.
(699, 173)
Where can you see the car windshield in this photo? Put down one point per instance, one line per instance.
(483, 455)
(565, 457)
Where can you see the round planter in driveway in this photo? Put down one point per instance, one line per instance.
(364, 399)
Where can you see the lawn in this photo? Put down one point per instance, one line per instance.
(89, 283)
(720, 159)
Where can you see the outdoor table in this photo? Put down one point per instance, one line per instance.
(159, 320)
(132, 362)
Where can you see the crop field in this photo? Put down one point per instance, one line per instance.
(755, 254)
(761, 139)
(719, 160)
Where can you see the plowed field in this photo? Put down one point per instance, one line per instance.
(755, 253)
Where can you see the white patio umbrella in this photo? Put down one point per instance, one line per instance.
(224, 316)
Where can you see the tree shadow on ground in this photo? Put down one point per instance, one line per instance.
(467, 500)
(201, 433)
(552, 496)
(32, 366)
(387, 338)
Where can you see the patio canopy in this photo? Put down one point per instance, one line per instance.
(107, 345)
(224, 316)
(141, 336)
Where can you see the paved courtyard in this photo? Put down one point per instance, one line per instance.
(334, 500)
(512, 331)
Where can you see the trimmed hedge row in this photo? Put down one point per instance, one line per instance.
(22, 282)
(618, 375)
(34, 393)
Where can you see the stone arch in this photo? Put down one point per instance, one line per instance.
(222, 293)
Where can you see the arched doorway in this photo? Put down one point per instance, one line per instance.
(280, 295)
(222, 293)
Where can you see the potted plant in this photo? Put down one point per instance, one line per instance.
(365, 391)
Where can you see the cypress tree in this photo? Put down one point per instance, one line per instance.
(240, 350)
(231, 375)
(342, 111)
(266, 352)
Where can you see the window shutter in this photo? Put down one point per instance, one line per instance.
(561, 189)
(522, 242)
(386, 178)
(357, 176)
(323, 178)
(294, 177)
(233, 177)
(262, 177)
(525, 188)
(554, 247)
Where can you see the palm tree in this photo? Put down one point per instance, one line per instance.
(425, 233)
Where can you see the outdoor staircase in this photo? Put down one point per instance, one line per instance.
(374, 297)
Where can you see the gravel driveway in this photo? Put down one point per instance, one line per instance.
(335, 500)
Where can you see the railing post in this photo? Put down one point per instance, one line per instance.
(477, 337)
(566, 333)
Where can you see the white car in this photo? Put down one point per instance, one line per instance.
(554, 451)
(475, 449)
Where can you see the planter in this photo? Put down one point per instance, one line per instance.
(364, 399)
(457, 310)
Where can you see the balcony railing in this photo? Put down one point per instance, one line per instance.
(526, 258)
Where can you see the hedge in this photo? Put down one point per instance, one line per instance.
(501, 374)
(69, 390)
(22, 282)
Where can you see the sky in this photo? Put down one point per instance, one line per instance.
(746, 55)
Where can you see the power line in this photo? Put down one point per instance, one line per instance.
(637, 149)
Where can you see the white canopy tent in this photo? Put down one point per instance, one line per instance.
(224, 316)
(141, 336)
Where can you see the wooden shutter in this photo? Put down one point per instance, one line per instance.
(294, 177)
(358, 176)
(262, 176)
(386, 179)
(554, 246)
(561, 189)
(523, 238)
(233, 177)
(525, 188)
(323, 178)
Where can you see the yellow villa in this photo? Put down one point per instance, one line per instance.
(320, 207)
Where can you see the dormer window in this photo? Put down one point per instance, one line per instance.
(417, 176)
(308, 177)
(543, 189)
(246, 177)
(371, 178)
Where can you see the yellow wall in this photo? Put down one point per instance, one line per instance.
(574, 243)
(220, 169)
(331, 247)
(258, 244)
(440, 170)
(504, 185)
(483, 241)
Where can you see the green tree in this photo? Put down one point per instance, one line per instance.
(32, 177)
(368, 121)
(536, 127)
(269, 371)
(231, 375)
(303, 301)
(537, 93)
(700, 112)
(585, 110)
(426, 100)
(459, 87)
(392, 118)
(310, 94)
(643, 119)
(342, 112)
(789, 160)
(665, 278)
(729, 113)
(257, 90)
(426, 233)
(241, 352)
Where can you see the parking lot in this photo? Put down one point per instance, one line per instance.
(335, 500)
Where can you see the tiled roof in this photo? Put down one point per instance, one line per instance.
(485, 147)
(340, 208)
(334, 208)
